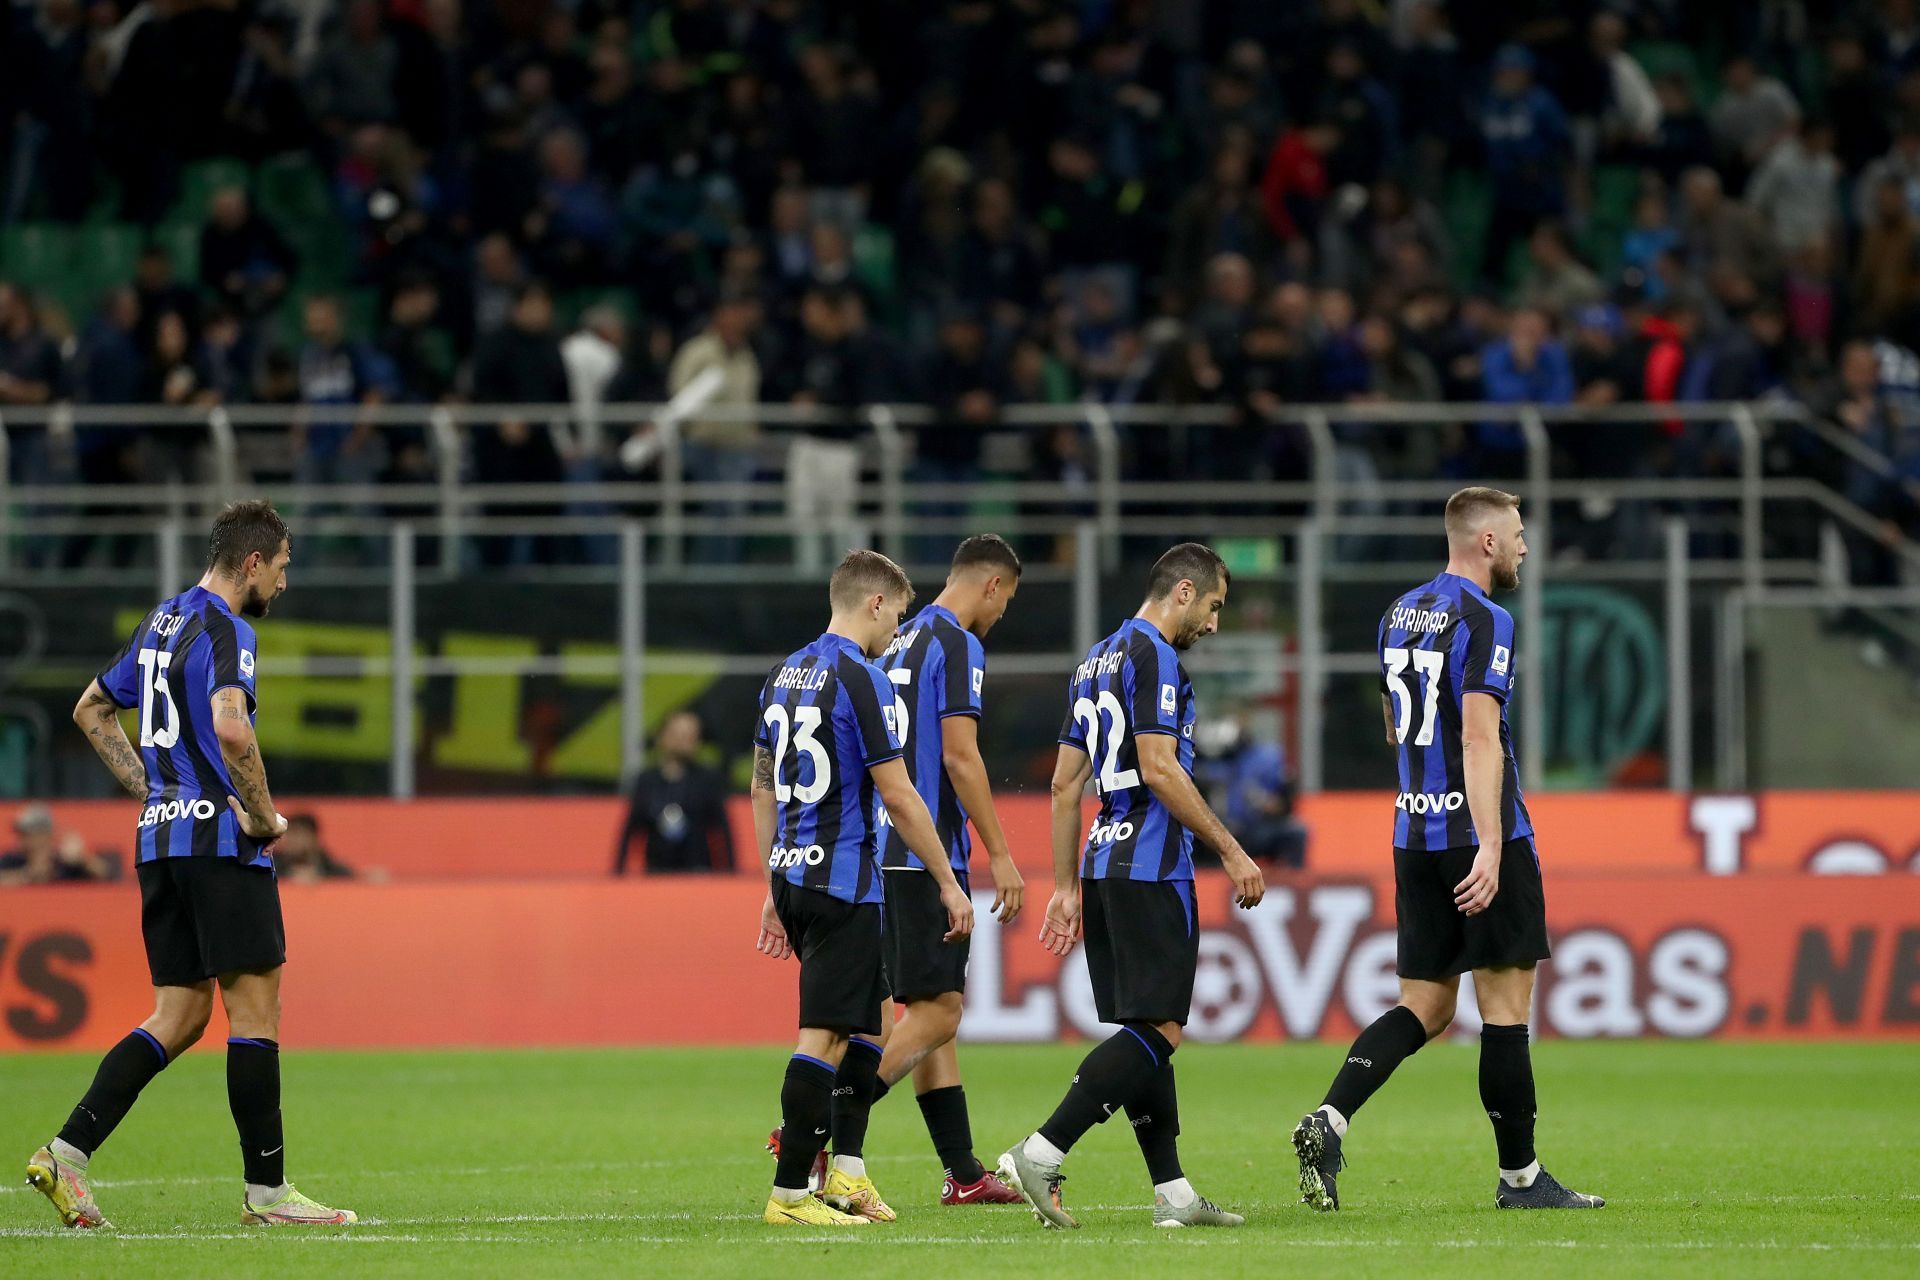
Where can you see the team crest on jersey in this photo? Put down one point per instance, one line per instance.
(1169, 698)
(246, 663)
(1502, 656)
(979, 678)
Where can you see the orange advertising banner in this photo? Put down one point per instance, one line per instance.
(671, 961)
(1348, 833)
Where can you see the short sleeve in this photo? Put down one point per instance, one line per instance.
(233, 654)
(876, 721)
(760, 734)
(1150, 679)
(964, 662)
(1487, 664)
(1380, 649)
(1072, 732)
(120, 679)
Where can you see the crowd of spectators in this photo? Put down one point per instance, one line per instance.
(975, 202)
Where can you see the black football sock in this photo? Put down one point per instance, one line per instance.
(853, 1097)
(952, 1133)
(123, 1073)
(880, 1088)
(1506, 1091)
(1119, 1069)
(1389, 1040)
(1156, 1124)
(253, 1095)
(806, 1109)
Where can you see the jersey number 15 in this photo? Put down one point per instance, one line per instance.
(1427, 663)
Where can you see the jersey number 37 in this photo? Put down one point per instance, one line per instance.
(1426, 663)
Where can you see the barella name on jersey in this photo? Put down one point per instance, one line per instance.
(801, 679)
(173, 810)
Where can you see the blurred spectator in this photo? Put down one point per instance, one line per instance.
(351, 81)
(1651, 235)
(1886, 276)
(572, 228)
(1528, 367)
(1683, 140)
(1796, 190)
(298, 856)
(1900, 165)
(44, 858)
(1752, 112)
(520, 364)
(333, 445)
(677, 810)
(1555, 280)
(823, 466)
(592, 354)
(1249, 777)
(1526, 137)
(1220, 215)
(1722, 236)
(159, 292)
(244, 261)
(721, 450)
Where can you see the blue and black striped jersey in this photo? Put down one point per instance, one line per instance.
(1131, 683)
(827, 715)
(937, 668)
(1439, 642)
(188, 648)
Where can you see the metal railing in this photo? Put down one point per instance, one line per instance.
(685, 507)
(1309, 516)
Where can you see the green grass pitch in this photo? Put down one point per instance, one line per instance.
(1718, 1159)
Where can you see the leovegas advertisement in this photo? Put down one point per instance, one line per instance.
(671, 961)
(1611, 833)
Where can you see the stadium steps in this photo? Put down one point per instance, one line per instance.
(1800, 672)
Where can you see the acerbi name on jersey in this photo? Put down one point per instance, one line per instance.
(173, 810)
(1430, 801)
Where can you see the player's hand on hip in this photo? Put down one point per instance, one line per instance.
(1474, 893)
(773, 935)
(1060, 929)
(959, 913)
(1009, 891)
(251, 825)
(1249, 884)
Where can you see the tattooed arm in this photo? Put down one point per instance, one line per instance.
(99, 718)
(241, 750)
(773, 935)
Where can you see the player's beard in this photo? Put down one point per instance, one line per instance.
(255, 605)
(1506, 574)
(1191, 629)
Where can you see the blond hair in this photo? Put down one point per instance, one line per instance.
(864, 574)
(1467, 508)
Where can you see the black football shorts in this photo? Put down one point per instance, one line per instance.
(1143, 947)
(920, 965)
(203, 917)
(1438, 941)
(842, 983)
